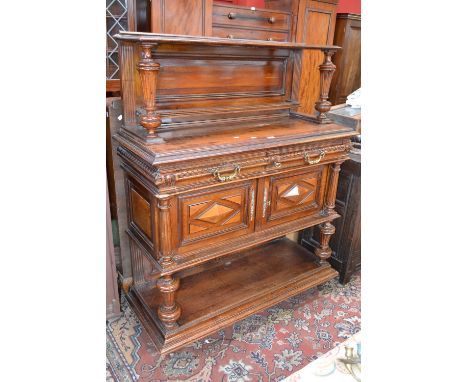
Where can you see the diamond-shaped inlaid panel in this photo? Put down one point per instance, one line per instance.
(116, 20)
(224, 211)
(216, 213)
(295, 193)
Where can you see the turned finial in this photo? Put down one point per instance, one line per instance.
(327, 68)
(148, 69)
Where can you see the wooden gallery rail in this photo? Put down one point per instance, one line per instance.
(219, 167)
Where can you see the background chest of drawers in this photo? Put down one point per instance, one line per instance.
(242, 22)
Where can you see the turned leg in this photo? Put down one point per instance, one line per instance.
(148, 69)
(326, 73)
(168, 311)
(324, 251)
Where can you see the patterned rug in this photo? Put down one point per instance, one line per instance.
(265, 347)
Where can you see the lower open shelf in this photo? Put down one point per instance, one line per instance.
(220, 293)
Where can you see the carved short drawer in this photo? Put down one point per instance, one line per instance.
(250, 18)
(189, 175)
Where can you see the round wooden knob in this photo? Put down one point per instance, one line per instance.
(271, 20)
(232, 15)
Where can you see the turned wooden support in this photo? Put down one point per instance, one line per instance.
(148, 69)
(332, 187)
(169, 310)
(126, 284)
(326, 73)
(165, 224)
(324, 251)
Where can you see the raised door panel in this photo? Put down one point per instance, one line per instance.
(212, 215)
(184, 17)
(141, 219)
(287, 197)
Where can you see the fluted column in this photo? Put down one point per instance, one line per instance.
(165, 232)
(332, 187)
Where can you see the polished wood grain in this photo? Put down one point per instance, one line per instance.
(232, 168)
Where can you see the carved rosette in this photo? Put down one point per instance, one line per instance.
(169, 311)
(326, 74)
(148, 70)
(324, 251)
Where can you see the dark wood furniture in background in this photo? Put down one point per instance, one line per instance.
(346, 242)
(112, 292)
(218, 167)
(185, 17)
(348, 61)
(117, 193)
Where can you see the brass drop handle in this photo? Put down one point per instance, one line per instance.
(314, 161)
(230, 36)
(232, 15)
(224, 178)
(271, 39)
(271, 20)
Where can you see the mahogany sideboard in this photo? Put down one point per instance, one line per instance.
(219, 166)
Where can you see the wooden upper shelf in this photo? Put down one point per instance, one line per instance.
(213, 41)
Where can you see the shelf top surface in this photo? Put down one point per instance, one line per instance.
(156, 38)
(229, 137)
(242, 277)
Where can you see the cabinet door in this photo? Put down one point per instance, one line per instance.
(291, 196)
(216, 214)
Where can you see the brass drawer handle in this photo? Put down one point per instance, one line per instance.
(230, 36)
(314, 161)
(232, 15)
(271, 39)
(224, 178)
(271, 20)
